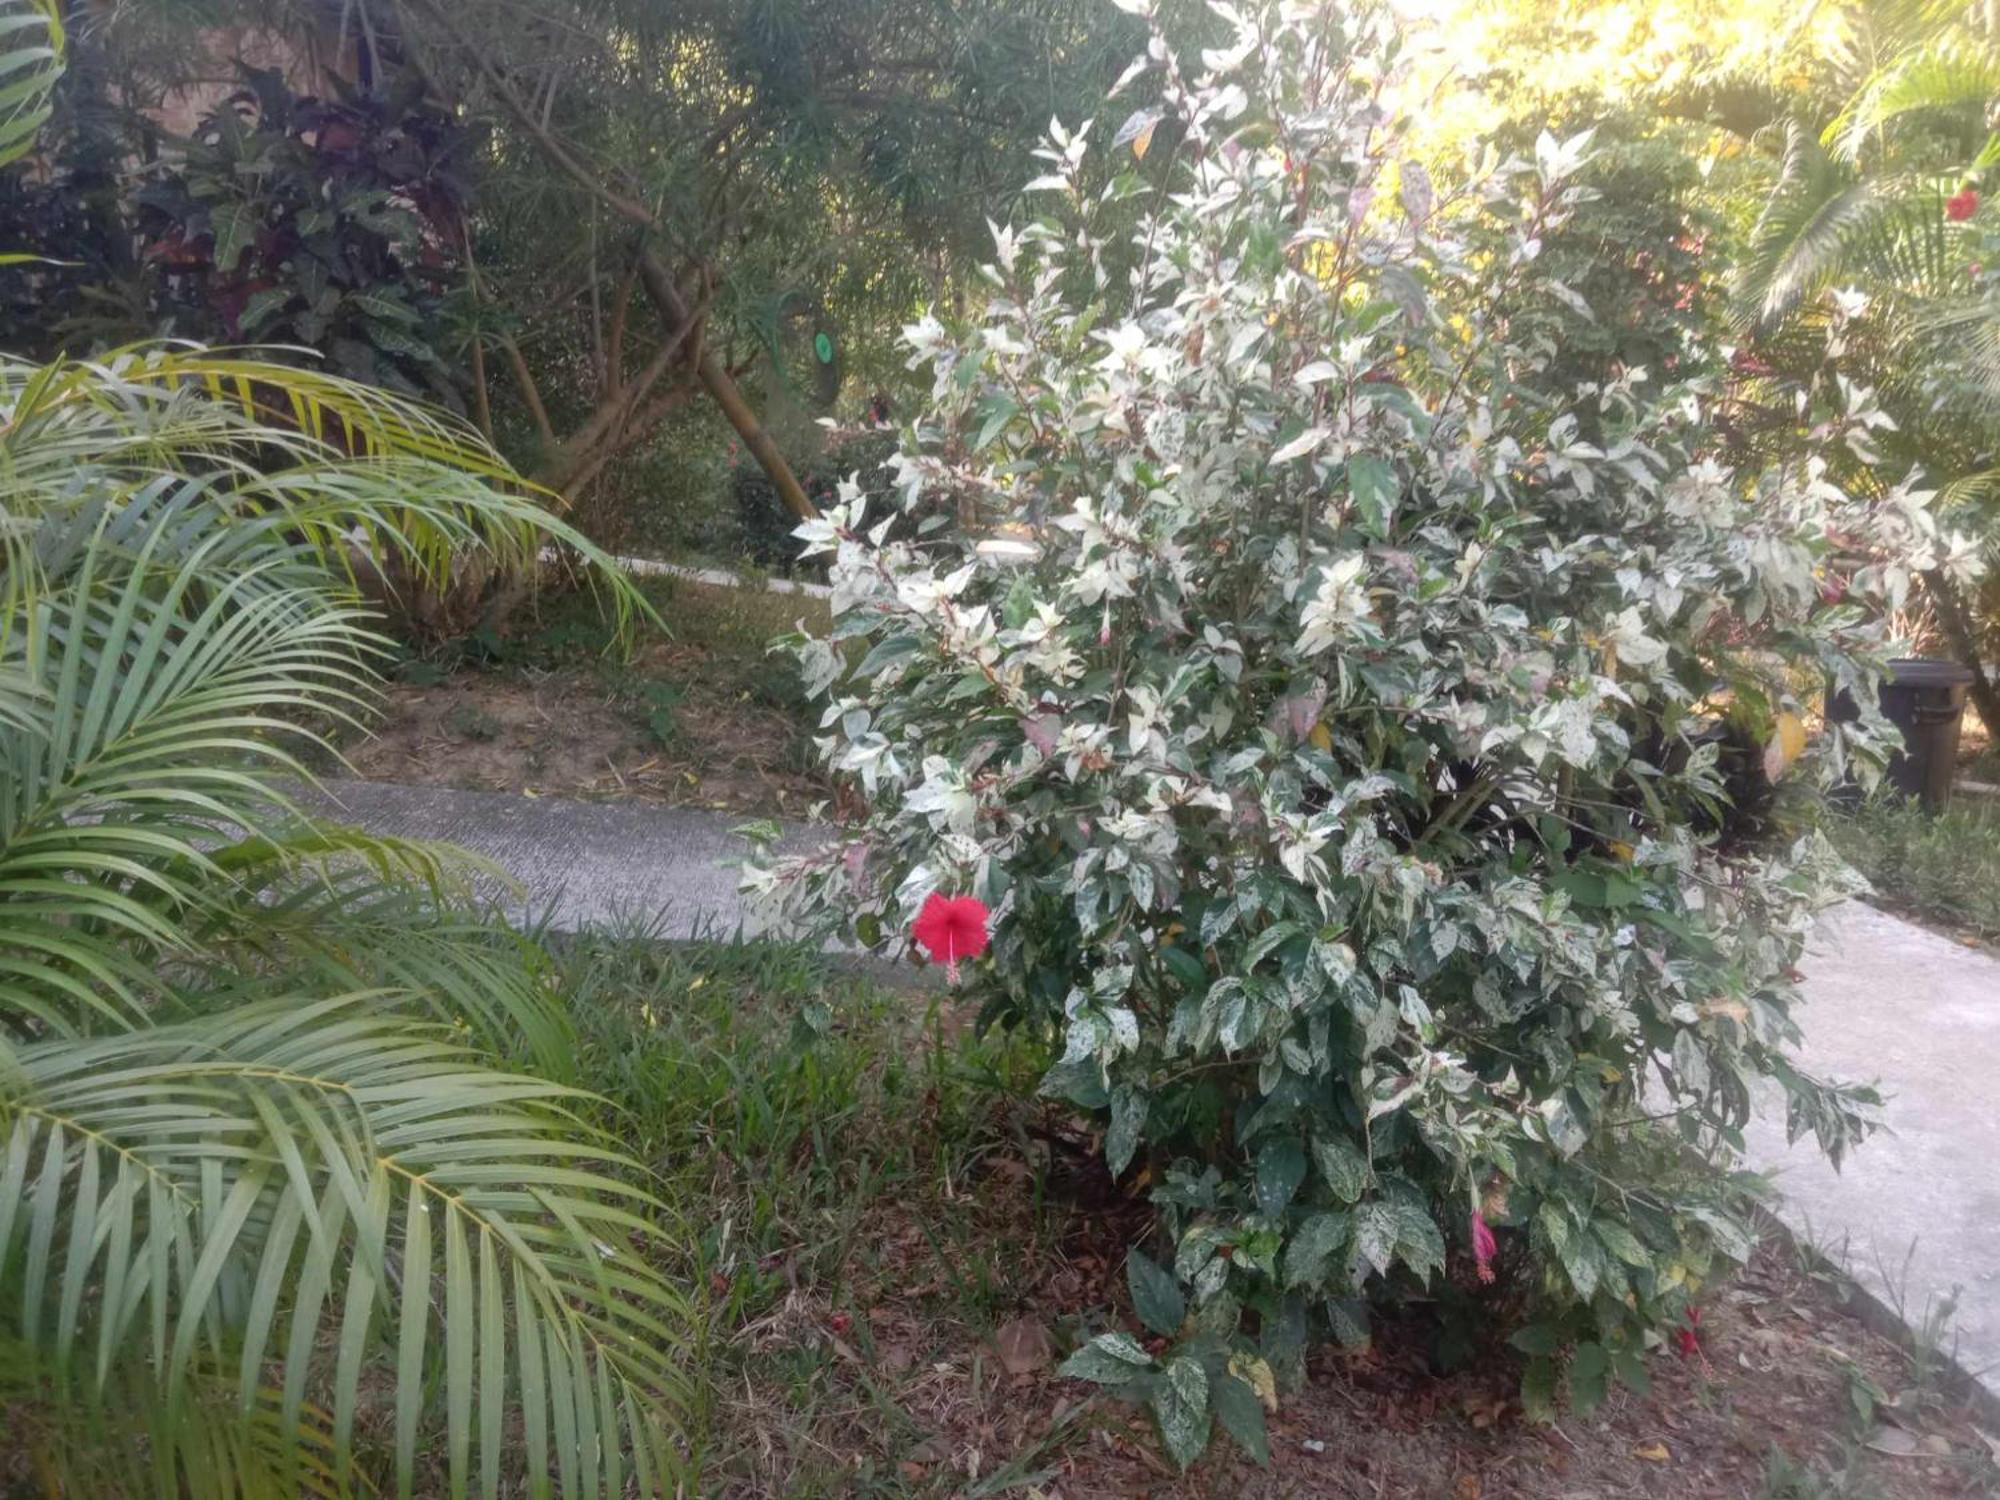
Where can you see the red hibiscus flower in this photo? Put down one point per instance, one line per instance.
(1962, 205)
(950, 928)
(1687, 1339)
(1484, 1246)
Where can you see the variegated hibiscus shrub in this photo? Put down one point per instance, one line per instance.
(1343, 747)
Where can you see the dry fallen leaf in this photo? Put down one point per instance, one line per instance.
(1893, 1441)
(1653, 1453)
(1024, 1346)
(1467, 1487)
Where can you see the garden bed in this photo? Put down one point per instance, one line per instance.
(898, 1250)
(699, 717)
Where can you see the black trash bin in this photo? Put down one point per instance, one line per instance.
(1926, 700)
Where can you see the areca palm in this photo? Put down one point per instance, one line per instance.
(291, 1183)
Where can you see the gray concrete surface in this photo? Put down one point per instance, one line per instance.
(577, 864)
(1914, 1216)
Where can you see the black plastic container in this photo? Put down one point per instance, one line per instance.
(1925, 699)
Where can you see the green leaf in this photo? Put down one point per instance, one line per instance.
(1631, 1369)
(1281, 1167)
(1313, 1245)
(1269, 941)
(1372, 482)
(235, 226)
(261, 307)
(1128, 1123)
(1598, 890)
(1342, 1165)
(1589, 1377)
(1538, 1390)
(1583, 1259)
(996, 411)
(1242, 1417)
(1418, 1239)
(1348, 1319)
(1539, 1339)
(1375, 1232)
(1621, 1242)
(1180, 1403)
(1184, 966)
(887, 653)
(1156, 1296)
(1112, 1359)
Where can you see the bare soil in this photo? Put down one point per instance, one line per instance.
(701, 717)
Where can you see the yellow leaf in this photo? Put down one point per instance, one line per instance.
(1622, 850)
(1653, 1453)
(1787, 743)
(1254, 1373)
(1143, 141)
(1320, 738)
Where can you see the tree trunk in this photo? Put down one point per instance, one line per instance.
(656, 279)
(1964, 637)
(673, 308)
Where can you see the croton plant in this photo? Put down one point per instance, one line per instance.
(1381, 799)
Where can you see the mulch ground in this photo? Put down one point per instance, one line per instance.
(893, 1382)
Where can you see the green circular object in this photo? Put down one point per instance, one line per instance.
(823, 347)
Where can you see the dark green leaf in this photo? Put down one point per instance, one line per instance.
(1156, 1296)
(1242, 1417)
(1589, 1377)
(1315, 1243)
(1538, 1390)
(1341, 1163)
(1281, 1167)
(1373, 484)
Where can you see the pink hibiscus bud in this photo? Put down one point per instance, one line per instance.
(1484, 1246)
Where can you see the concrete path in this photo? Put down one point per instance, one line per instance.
(1914, 1217)
(577, 864)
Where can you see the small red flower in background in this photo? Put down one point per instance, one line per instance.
(1962, 205)
(1484, 1246)
(950, 928)
(1688, 1339)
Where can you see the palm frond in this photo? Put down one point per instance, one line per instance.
(319, 1202)
(31, 63)
(1828, 225)
(1949, 79)
(321, 1188)
(360, 469)
(348, 911)
(124, 1440)
(162, 707)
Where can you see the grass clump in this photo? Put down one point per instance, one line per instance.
(832, 1143)
(1943, 869)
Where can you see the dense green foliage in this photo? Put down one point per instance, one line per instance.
(1350, 771)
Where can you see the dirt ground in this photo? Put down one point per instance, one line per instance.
(701, 718)
(1790, 1397)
